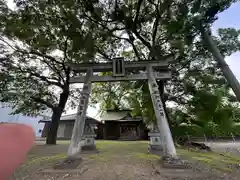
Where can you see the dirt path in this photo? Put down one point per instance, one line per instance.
(116, 161)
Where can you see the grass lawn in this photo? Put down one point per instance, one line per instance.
(116, 160)
(221, 161)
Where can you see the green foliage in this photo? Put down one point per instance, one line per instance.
(156, 29)
(37, 42)
(84, 31)
(229, 41)
(211, 130)
(133, 96)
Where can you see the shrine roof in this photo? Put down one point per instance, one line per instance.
(123, 115)
(71, 117)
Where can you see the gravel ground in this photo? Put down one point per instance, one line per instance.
(116, 161)
(226, 147)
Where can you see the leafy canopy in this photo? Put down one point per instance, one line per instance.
(38, 40)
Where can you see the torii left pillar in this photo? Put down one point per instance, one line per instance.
(76, 143)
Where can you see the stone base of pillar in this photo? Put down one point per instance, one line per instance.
(155, 145)
(175, 163)
(69, 163)
(157, 150)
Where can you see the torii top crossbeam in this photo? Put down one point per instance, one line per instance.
(119, 68)
(129, 65)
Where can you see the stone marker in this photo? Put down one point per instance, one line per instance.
(155, 145)
(89, 138)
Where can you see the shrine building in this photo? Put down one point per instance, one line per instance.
(113, 125)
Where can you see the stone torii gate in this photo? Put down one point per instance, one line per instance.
(122, 71)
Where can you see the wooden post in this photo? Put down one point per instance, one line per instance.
(161, 116)
(78, 129)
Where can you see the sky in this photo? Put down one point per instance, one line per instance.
(226, 19)
(229, 19)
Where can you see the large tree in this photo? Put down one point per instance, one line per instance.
(150, 29)
(155, 29)
(198, 91)
(38, 39)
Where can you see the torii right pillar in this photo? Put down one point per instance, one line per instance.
(169, 149)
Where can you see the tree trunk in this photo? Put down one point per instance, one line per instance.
(57, 113)
(53, 126)
(228, 74)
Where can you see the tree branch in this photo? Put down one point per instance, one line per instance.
(44, 78)
(104, 26)
(46, 56)
(134, 27)
(65, 49)
(14, 48)
(39, 100)
(43, 56)
(132, 44)
(154, 33)
(155, 25)
(56, 70)
(184, 65)
(139, 3)
(29, 71)
(135, 51)
(31, 52)
(66, 69)
(51, 66)
(131, 41)
(103, 54)
(145, 42)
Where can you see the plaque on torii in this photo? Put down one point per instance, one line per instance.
(118, 68)
(121, 71)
